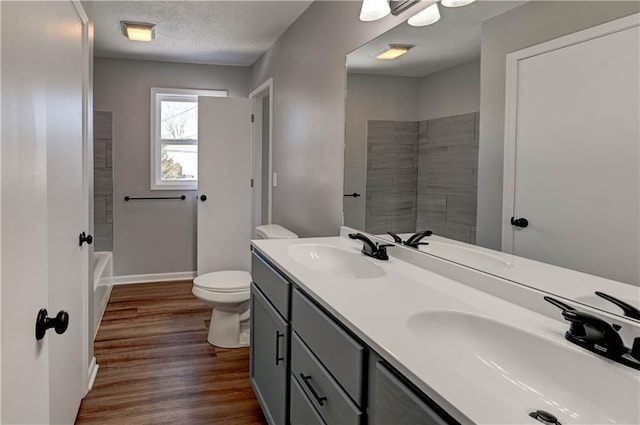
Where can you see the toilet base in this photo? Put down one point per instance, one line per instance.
(231, 330)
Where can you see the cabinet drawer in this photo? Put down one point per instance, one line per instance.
(271, 283)
(302, 411)
(340, 354)
(330, 400)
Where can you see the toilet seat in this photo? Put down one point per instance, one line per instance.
(227, 281)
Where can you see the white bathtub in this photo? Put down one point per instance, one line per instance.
(102, 268)
(102, 274)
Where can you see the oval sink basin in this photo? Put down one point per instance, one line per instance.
(471, 257)
(335, 261)
(526, 370)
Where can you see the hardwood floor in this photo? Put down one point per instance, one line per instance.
(156, 366)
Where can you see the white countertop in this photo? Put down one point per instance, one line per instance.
(570, 284)
(377, 311)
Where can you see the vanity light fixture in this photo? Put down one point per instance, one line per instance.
(373, 10)
(428, 16)
(456, 3)
(394, 51)
(138, 31)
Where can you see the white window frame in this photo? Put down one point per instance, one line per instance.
(158, 94)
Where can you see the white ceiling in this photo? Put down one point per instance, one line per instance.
(207, 32)
(453, 40)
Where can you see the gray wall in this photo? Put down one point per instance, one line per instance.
(453, 91)
(392, 176)
(524, 26)
(154, 236)
(307, 64)
(371, 97)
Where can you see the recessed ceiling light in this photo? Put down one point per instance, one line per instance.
(138, 31)
(456, 3)
(428, 16)
(394, 51)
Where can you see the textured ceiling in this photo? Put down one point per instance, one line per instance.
(208, 32)
(453, 40)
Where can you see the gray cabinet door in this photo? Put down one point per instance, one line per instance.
(396, 404)
(269, 358)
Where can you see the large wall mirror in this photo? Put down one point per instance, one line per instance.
(425, 145)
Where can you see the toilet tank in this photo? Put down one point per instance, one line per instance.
(274, 231)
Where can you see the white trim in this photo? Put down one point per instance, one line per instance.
(264, 89)
(511, 103)
(154, 152)
(87, 180)
(0, 223)
(151, 278)
(92, 373)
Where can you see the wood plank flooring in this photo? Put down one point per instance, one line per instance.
(156, 366)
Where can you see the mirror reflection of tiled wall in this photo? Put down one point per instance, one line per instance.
(103, 180)
(423, 175)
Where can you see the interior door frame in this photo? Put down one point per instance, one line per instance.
(511, 104)
(89, 367)
(256, 96)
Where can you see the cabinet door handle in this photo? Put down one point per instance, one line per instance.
(278, 358)
(306, 380)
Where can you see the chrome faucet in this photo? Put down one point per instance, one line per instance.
(370, 248)
(598, 336)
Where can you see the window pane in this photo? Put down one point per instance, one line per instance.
(179, 162)
(178, 120)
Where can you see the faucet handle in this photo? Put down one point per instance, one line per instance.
(635, 349)
(628, 310)
(381, 253)
(396, 238)
(562, 306)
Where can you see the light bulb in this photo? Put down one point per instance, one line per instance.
(374, 9)
(428, 16)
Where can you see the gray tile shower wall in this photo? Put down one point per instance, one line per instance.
(448, 176)
(103, 180)
(392, 176)
(423, 175)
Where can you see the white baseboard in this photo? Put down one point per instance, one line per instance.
(93, 371)
(148, 278)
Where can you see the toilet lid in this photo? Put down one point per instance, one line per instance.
(225, 281)
(274, 231)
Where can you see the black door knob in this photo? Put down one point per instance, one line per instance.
(43, 322)
(85, 238)
(519, 222)
(203, 198)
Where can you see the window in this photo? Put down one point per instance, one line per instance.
(174, 137)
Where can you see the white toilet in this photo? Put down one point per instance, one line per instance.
(228, 293)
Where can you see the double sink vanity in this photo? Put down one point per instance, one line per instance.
(342, 338)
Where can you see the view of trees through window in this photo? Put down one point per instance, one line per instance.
(179, 139)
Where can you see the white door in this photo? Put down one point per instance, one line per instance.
(42, 210)
(224, 184)
(575, 152)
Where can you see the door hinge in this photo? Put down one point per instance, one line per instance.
(253, 118)
(251, 182)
